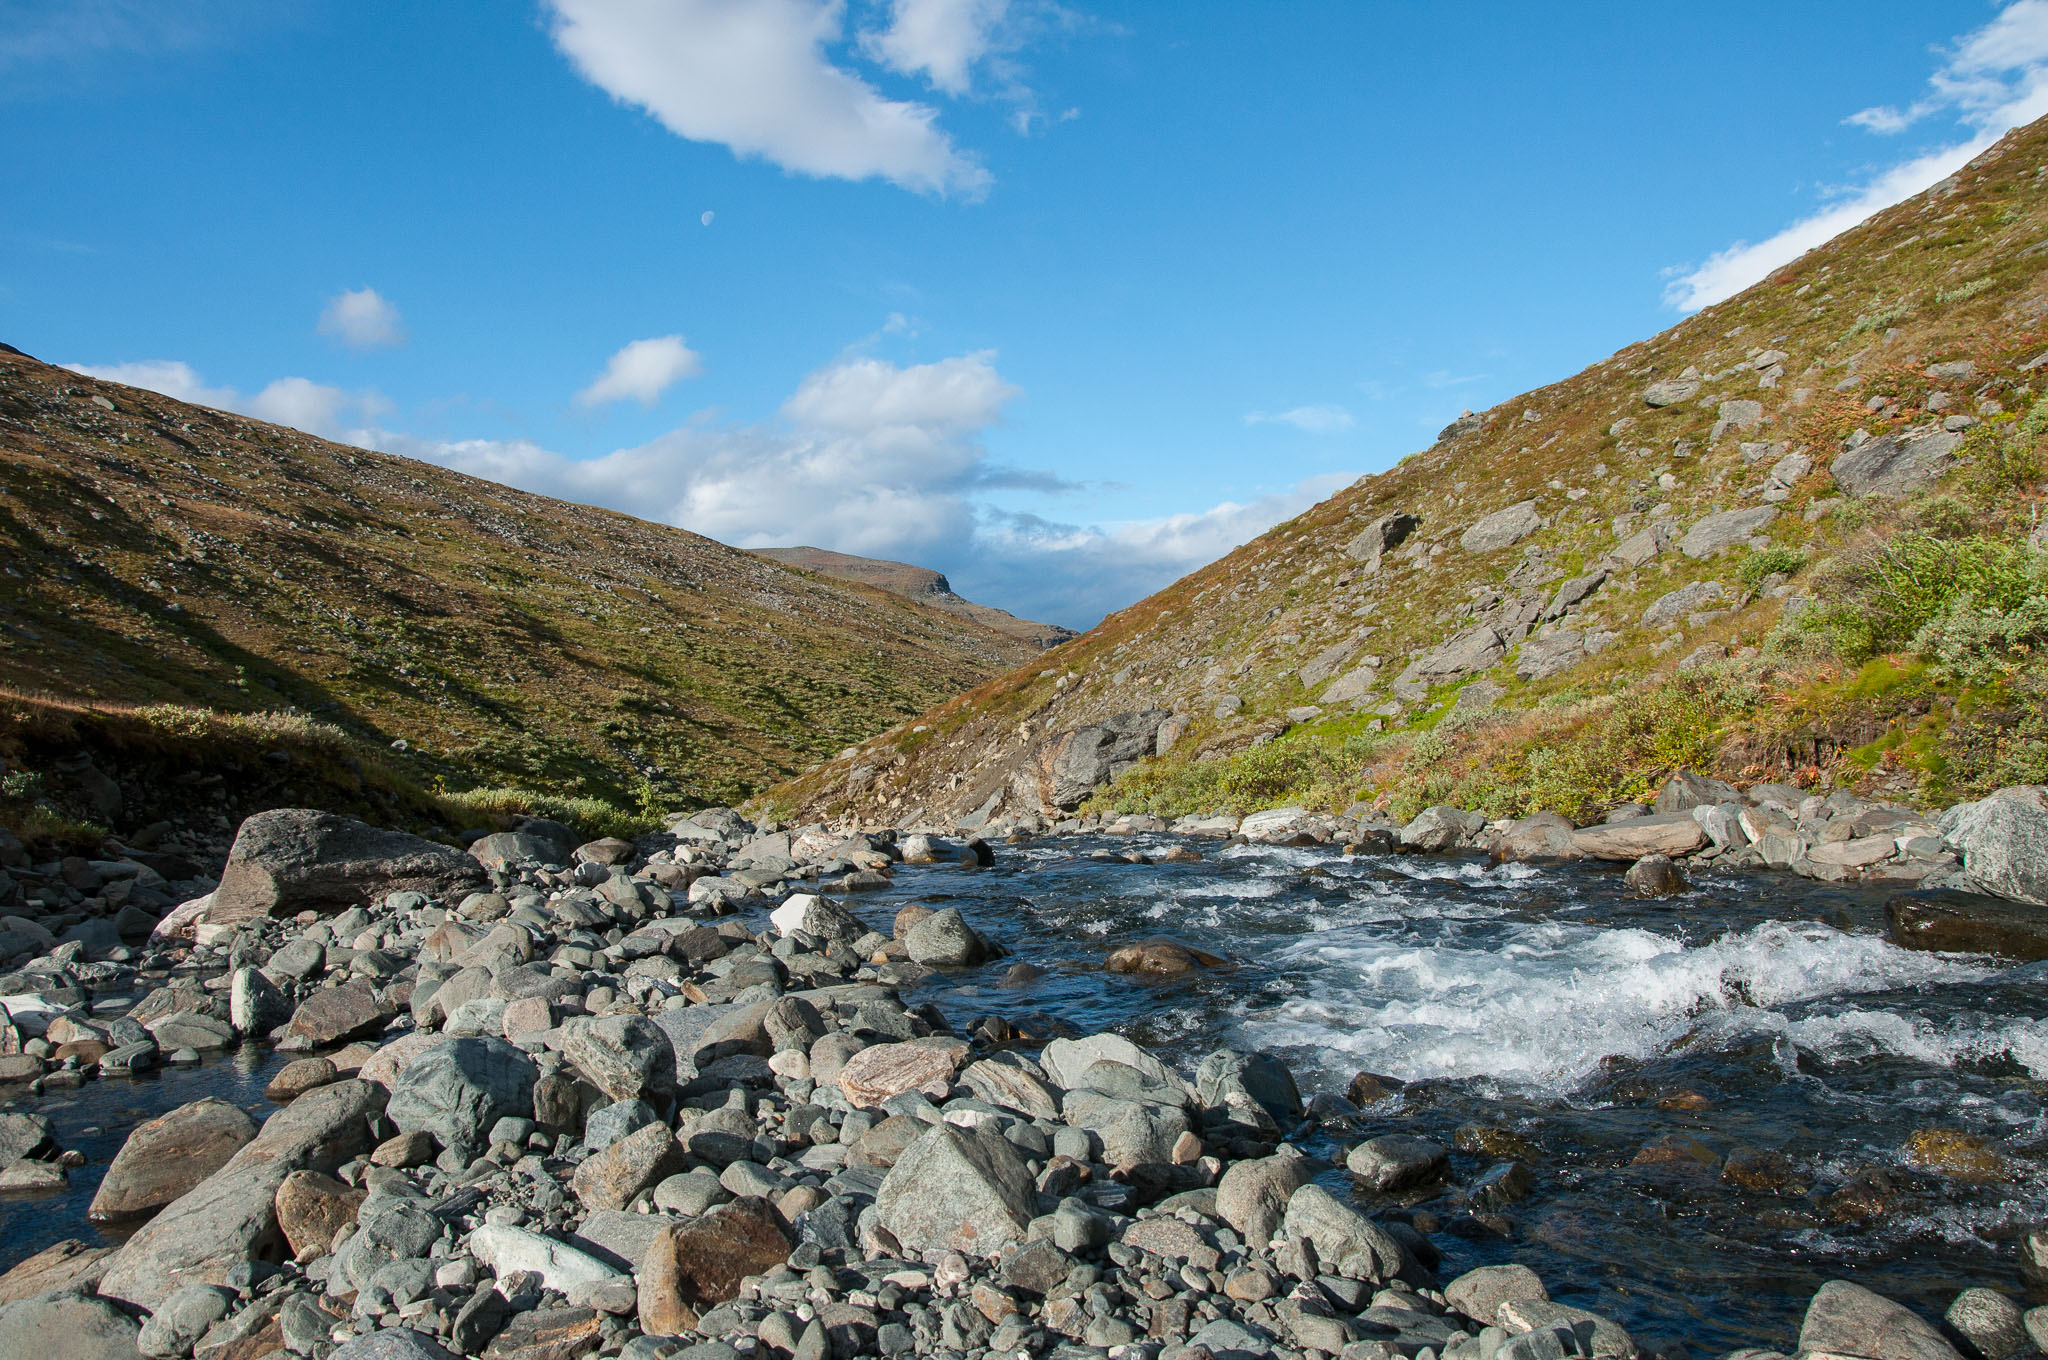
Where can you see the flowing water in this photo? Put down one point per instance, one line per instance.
(1574, 1024)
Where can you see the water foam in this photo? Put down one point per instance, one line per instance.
(1542, 1004)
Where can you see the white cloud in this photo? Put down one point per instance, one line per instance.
(1995, 80)
(756, 77)
(940, 39)
(362, 319)
(871, 396)
(301, 403)
(642, 371)
(1327, 418)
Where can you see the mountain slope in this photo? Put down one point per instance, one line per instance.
(1469, 621)
(926, 587)
(151, 551)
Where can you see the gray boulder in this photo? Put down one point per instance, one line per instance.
(945, 940)
(67, 1325)
(1475, 649)
(1847, 1319)
(459, 1088)
(628, 1057)
(1541, 835)
(2003, 840)
(1717, 533)
(167, 1156)
(1640, 836)
(1553, 654)
(1226, 1078)
(1897, 465)
(1395, 1161)
(395, 1343)
(1380, 537)
(1654, 876)
(957, 1190)
(1441, 828)
(230, 1217)
(255, 1005)
(1670, 608)
(1478, 1294)
(1502, 528)
(1253, 1195)
(1076, 763)
(184, 1317)
(290, 860)
(1685, 791)
(1347, 1243)
(1992, 1323)
(1133, 1132)
(1671, 391)
(503, 849)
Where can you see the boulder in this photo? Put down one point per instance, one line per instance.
(1396, 1161)
(394, 1343)
(1847, 1319)
(183, 1319)
(2003, 840)
(1347, 1243)
(1897, 465)
(1475, 649)
(294, 1079)
(1478, 1294)
(69, 1264)
(68, 1326)
(701, 1263)
(1993, 1324)
(311, 1208)
(1670, 392)
(1542, 835)
(1670, 608)
(945, 940)
(628, 1057)
(1380, 537)
(459, 1088)
(1951, 922)
(612, 1177)
(1161, 957)
(957, 1190)
(167, 1156)
(1654, 876)
(503, 849)
(1441, 828)
(1067, 1061)
(255, 1005)
(1502, 528)
(1717, 533)
(290, 860)
(815, 916)
(505, 1248)
(1227, 1079)
(335, 1015)
(1074, 764)
(230, 1217)
(1253, 1195)
(1640, 836)
(1593, 1336)
(882, 1071)
(1685, 791)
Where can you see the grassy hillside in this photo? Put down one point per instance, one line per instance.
(154, 552)
(1890, 641)
(925, 586)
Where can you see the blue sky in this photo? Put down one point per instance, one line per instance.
(1062, 299)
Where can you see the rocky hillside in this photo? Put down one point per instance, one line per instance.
(925, 586)
(153, 551)
(1723, 546)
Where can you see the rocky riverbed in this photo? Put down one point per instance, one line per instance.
(1122, 1091)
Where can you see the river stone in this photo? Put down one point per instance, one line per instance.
(67, 1326)
(1989, 1321)
(1253, 1195)
(167, 1156)
(1896, 465)
(231, 1217)
(1478, 1294)
(503, 849)
(69, 1264)
(1954, 922)
(1440, 828)
(610, 1179)
(1597, 1337)
(1847, 1319)
(184, 1317)
(957, 1190)
(1685, 791)
(1542, 835)
(255, 1005)
(1160, 956)
(1640, 836)
(1067, 1061)
(459, 1088)
(1000, 1080)
(815, 916)
(505, 1248)
(335, 1015)
(1502, 528)
(628, 1057)
(945, 940)
(1226, 1076)
(1133, 1132)
(24, 1135)
(702, 1262)
(290, 860)
(2003, 840)
(1395, 1161)
(1347, 1243)
(396, 1343)
(190, 1029)
(311, 1208)
(1654, 876)
(294, 1079)
(300, 959)
(1717, 533)
(878, 1073)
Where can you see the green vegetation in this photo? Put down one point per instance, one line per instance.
(1763, 563)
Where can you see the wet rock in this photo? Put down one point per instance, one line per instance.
(1397, 1161)
(1992, 1323)
(457, 1089)
(2003, 840)
(1161, 957)
(1948, 921)
(1544, 835)
(1478, 1294)
(1847, 1319)
(957, 1190)
(167, 1156)
(1441, 828)
(1347, 1243)
(1958, 1156)
(67, 1326)
(294, 1079)
(882, 1071)
(255, 1005)
(311, 1208)
(24, 1135)
(295, 859)
(815, 916)
(1655, 876)
(945, 940)
(1227, 1079)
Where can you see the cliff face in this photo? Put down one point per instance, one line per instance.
(155, 551)
(1665, 508)
(926, 587)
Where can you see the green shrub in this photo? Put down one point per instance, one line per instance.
(1976, 645)
(1763, 563)
(591, 816)
(1884, 596)
(2005, 456)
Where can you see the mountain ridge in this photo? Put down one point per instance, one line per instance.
(921, 584)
